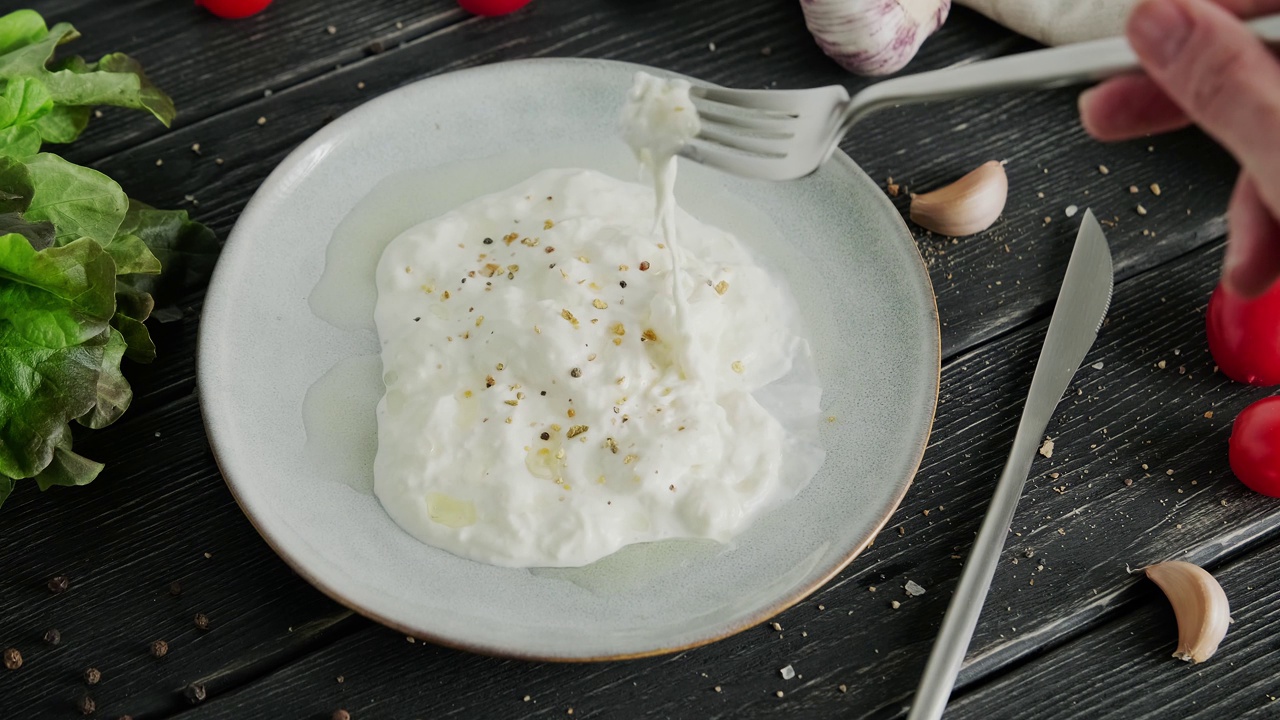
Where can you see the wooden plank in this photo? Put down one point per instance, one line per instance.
(1079, 520)
(146, 522)
(209, 65)
(1124, 669)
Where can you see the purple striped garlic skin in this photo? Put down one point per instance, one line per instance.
(873, 37)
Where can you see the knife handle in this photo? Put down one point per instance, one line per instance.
(966, 604)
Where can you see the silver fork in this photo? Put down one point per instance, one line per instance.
(786, 134)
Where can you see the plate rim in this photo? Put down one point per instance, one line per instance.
(335, 130)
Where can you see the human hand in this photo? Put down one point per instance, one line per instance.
(1204, 66)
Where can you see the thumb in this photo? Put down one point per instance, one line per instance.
(1221, 74)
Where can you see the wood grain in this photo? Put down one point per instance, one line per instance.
(146, 522)
(209, 65)
(161, 503)
(1094, 676)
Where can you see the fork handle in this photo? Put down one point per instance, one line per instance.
(1040, 69)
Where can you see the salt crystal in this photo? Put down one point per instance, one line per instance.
(1072, 210)
(913, 589)
(787, 672)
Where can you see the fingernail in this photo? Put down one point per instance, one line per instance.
(1158, 29)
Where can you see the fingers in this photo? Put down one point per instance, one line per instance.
(1252, 262)
(1225, 79)
(1127, 107)
(1250, 8)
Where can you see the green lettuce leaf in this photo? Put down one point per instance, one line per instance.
(20, 141)
(21, 28)
(80, 264)
(80, 202)
(66, 468)
(113, 391)
(63, 123)
(187, 250)
(55, 306)
(114, 80)
(23, 101)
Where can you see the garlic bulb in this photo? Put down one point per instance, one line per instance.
(966, 206)
(873, 37)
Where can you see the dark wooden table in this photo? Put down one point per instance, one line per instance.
(1139, 473)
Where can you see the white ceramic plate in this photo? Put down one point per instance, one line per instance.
(834, 238)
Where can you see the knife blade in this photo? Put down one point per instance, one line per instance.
(1081, 307)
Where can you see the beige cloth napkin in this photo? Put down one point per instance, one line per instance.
(1057, 22)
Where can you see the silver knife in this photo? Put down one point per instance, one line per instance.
(1077, 317)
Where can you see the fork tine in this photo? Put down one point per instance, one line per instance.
(784, 101)
(749, 120)
(737, 140)
(737, 163)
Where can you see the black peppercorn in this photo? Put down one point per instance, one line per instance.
(545, 436)
(59, 584)
(52, 636)
(202, 621)
(488, 241)
(622, 283)
(12, 659)
(159, 648)
(86, 705)
(196, 693)
(92, 675)
(175, 588)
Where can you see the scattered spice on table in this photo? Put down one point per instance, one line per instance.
(52, 636)
(787, 672)
(175, 588)
(86, 705)
(12, 658)
(92, 675)
(159, 648)
(202, 621)
(895, 604)
(341, 714)
(59, 584)
(196, 693)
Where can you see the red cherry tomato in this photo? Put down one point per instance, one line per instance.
(492, 7)
(234, 9)
(1244, 335)
(1255, 446)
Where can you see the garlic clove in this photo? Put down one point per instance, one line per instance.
(873, 37)
(1199, 604)
(966, 206)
